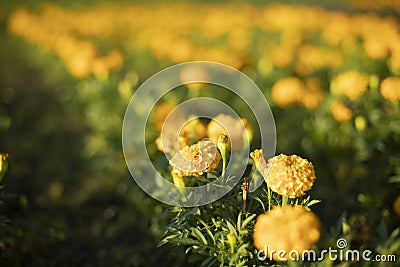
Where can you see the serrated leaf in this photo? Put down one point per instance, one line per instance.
(196, 233)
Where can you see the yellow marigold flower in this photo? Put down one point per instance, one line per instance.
(286, 228)
(314, 95)
(259, 160)
(290, 176)
(287, 92)
(390, 88)
(352, 84)
(282, 56)
(375, 48)
(239, 127)
(340, 112)
(396, 205)
(196, 159)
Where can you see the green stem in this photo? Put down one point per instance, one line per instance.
(284, 200)
(269, 199)
(223, 163)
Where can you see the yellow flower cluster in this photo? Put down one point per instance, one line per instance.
(352, 84)
(390, 88)
(340, 112)
(289, 176)
(50, 31)
(292, 90)
(286, 228)
(377, 5)
(205, 32)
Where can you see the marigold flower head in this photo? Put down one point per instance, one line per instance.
(390, 88)
(288, 91)
(196, 159)
(238, 130)
(290, 176)
(375, 48)
(352, 84)
(340, 112)
(286, 228)
(396, 205)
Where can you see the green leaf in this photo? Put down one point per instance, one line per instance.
(196, 233)
(232, 229)
(313, 202)
(394, 179)
(210, 261)
(184, 241)
(249, 219)
(239, 221)
(382, 230)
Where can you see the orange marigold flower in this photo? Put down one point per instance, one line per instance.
(196, 159)
(340, 112)
(286, 228)
(390, 88)
(289, 176)
(352, 84)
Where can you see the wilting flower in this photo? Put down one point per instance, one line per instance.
(340, 112)
(237, 130)
(396, 205)
(352, 84)
(390, 88)
(196, 159)
(286, 228)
